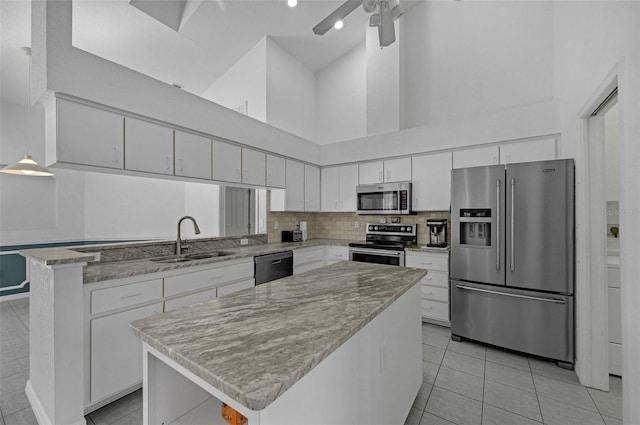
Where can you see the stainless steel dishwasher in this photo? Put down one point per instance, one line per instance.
(274, 266)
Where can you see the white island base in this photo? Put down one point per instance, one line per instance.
(373, 378)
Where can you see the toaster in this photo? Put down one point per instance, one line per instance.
(292, 236)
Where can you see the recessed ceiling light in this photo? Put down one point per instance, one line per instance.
(339, 24)
(292, 3)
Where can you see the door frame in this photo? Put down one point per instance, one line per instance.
(592, 331)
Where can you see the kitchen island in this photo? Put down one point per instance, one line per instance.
(340, 344)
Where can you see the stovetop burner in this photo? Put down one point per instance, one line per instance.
(389, 236)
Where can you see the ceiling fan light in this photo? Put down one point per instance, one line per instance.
(27, 167)
(374, 20)
(292, 3)
(397, 11)
(369, 5)
(339, 24)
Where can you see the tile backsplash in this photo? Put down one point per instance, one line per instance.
(339, 225)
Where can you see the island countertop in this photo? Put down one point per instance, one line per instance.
(255, 344)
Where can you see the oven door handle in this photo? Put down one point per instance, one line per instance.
(376, 252)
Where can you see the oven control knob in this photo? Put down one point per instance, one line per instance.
(370, 227)
(375, 228)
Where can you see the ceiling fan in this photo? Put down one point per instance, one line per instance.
(386, 11)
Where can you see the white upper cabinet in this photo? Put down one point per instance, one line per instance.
(533, 150)
(339, 188)
(476, 157)
(294, 193)
(253, 167)
(148, 147)
(397, 170)
(311, 188)
(431, 182)
(227, 162)
(275, 171)
(390, 170)
(193, 155)
(89, 136)
(330, 193)
(371, 172)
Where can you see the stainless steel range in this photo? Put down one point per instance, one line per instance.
(384, 244)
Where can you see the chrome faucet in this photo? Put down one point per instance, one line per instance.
(179, 246)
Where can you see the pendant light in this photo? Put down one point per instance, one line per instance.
(27, 166)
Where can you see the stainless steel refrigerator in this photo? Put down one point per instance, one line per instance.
(512, 257)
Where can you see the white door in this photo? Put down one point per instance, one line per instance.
(431, 178)
(476, 157)
(227, 160)
(253, 167)
(240, 211)
(371, 172)
(193, 155)
(89, 136)
(116, 354)
(294, 193)
(148, 147)
(348, 184)
(397, 170)
(275, 171)
(330, 188)
(311, 188)
(534, 150)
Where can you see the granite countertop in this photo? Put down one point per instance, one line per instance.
(55, 256)
(98, 271)
(255, 344)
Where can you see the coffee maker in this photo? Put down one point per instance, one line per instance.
(437, 229)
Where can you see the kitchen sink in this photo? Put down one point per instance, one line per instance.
(170, 259)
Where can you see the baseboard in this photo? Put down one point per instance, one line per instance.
(38, 409)
(14, 297)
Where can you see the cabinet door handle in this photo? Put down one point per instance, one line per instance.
(167, 159)
(215, 277)
(181, 164)
(115, 154)
(380, 176)
(388, 175)
(124, 297)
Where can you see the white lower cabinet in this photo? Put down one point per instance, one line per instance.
(615, 320)
(434, 300)
(335, 254)
(116, 354)
(114, 357)
(307, 259)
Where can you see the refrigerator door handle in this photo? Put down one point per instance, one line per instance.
(498, 224)
(512, 253)
(506, 294)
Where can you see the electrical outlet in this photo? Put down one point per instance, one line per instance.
(356, 224)
(244, 241)
(276, 225)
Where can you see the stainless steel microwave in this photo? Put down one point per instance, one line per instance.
(384, 199)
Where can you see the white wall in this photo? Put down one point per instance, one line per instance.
(245, 81)
(341, 98)
(383, 83)
(56, 66)
(290, 93)
(465, 59)
(590, 40)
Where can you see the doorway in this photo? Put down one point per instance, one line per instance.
(245, 211)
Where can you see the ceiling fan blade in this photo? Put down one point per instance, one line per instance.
(340, 13)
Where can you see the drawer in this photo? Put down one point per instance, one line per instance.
(235, 287)
(429, 262)
(435, 293)
(175, 285)
(125, 295)
(189, 299)
(308, 256)
(435, 310)
(613, 277)
(436, 278)
(336, 254)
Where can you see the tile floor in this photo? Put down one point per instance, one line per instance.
(463, 383)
